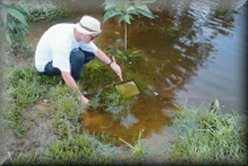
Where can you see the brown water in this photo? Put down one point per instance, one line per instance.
(190, 55)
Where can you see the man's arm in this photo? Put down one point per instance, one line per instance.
(103, 57)
(69, 80)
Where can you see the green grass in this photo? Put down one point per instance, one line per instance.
(46, 12)
(201, 136)
(96, 75)
(137, 149)
(128, 56)
(24, 88)
(109, 100)
(208, 137)
(80, 148)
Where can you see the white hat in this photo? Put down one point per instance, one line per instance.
(88, 25)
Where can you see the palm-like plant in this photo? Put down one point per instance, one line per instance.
(14, 20)
(124, 10)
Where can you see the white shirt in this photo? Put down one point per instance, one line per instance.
(56, 45)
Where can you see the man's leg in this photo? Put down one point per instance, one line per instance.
(50, 70)
(77, 59)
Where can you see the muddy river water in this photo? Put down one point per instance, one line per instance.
(194, 51)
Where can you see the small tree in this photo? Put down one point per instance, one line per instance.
(124, 10)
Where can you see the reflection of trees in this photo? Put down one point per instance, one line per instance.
(174, 59)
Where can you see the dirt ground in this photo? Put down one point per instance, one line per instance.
(34, 141)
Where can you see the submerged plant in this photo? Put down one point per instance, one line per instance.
(170, 31)
(215, 106)
(137, 149)
(129, 56)
(125, 10)
(110, 101)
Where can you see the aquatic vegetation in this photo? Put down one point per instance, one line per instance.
(111, 101)
(137, 149)
(129, 56)
(215, 106)
(170, 31)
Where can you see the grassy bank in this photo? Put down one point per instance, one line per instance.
(201, 136)
(209, 137)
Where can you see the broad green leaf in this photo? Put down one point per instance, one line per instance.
(109, 4)
(143, 10)
(131, 10)
(17, 15)
(127, 18)
(123, 5)
(109, 14)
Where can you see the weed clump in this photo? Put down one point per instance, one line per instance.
(208, 137)
(111, 101)
(79, 149)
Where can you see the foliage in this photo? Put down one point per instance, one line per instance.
(99, 80)
(137, 149)
(26, 87)
(130, 56)
(125, 10)
(208, 137)
(169, 31)
(22, 93)
(65, 109)
(111, 101)
(62, 111)
(45, 14)
(22, 158)
(96, 74)
(79, 149)
(14, 20)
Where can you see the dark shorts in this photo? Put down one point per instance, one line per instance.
(78, 58)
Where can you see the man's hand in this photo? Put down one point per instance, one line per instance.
(72, 84)
(116, 68)
(103, 57)
(85, 100)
